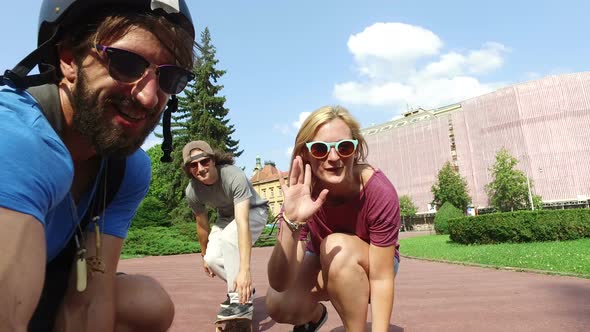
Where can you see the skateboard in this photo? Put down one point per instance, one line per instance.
(242, 324)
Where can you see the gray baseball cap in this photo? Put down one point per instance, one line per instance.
(190, 146)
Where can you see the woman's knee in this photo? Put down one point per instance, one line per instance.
(343, 251)
(143, 304)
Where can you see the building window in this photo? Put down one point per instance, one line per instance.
(272, 192)
(279, 191)
(263, 193)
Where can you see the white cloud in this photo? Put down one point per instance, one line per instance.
(391, 49)
(302, 116)
(394, 41)
(289, 151)
(374, 94)
(292, 128)
(401, 64)
(487, 59)
(434, 93)
(450, 64)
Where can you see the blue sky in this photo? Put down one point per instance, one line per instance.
(285, 59)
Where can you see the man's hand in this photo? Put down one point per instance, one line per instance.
(208, 271)
(243, 285)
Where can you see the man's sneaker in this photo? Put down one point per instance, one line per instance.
(311, 326)
(236, 310)
(225, 303)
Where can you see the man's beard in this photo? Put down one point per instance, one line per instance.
(107, 138)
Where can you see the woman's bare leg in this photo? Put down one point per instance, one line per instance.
(345, 266)
(300, 303)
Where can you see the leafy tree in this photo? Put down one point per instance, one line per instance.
(158, 185)
(450, 187)
(508, 190)
(407, 206)
(201, 116)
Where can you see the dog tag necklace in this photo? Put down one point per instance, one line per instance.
(81, 271)
(96, 263)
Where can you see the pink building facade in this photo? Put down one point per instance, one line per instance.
(544, 123)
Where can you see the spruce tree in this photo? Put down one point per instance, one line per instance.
(202, 114)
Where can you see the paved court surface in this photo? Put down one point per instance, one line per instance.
(429, 296)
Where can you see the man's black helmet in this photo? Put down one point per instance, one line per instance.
(64, 12)
(58, 14)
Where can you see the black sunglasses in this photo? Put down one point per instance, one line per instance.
(204, 163)
(129, 67)
(344, 148)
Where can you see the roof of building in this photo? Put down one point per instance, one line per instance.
(268, 173)
(411, 117)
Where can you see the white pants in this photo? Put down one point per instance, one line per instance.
(223, 255)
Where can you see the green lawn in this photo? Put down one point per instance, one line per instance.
(267, 239)
(565, 257)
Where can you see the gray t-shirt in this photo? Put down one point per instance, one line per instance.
(231, 188)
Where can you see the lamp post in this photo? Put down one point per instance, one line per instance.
(528, 183)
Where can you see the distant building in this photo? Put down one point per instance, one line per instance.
(544, 123)
(266, 182)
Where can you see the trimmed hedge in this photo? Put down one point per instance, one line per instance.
(446, 212)
(160, 241)
(521, 226)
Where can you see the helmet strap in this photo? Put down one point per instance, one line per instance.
(17, 77)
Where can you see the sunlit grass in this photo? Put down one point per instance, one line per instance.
(568, 257)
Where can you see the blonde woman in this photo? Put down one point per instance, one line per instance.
(339, 230)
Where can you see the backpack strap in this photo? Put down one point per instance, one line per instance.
(47, 97)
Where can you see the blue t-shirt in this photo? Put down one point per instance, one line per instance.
(36, 174)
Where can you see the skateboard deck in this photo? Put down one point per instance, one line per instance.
(242, 324)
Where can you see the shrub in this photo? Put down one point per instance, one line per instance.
(521, 226)
(158, 241)
(151, 212)
(446, 212)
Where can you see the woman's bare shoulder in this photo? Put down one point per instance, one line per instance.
(366, 171)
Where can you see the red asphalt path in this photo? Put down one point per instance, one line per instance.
(429, 296)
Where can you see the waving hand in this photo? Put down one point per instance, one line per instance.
(298, 204)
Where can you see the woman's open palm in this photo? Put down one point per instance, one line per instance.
(298, 203)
